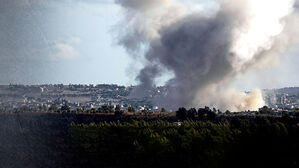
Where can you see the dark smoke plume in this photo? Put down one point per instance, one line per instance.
(206, 52)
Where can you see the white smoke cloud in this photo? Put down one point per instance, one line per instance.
(206, 52)
(229, 98)
(259, 29)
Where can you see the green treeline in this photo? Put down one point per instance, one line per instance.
(240, 142)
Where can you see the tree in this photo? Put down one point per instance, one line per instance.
(227, 112)
(146, 110)
(105, 109)
(53, 108)
(118, 111)
(211, 115)
(265, 110)
(163, 110)
(92, 110)
(25, 108)
(206, 114)
(285, 113)
(131, 109)
(202, 113)
(181, 113)
(296, 112)
(42, 107)
(65, 108)
(191, 113)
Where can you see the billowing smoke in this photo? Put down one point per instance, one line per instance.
(205, 51)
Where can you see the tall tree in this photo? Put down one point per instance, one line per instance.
(181, 113)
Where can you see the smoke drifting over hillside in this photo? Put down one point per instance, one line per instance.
(206, 52)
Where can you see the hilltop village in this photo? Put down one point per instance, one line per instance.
(75, 96)
(95, 96)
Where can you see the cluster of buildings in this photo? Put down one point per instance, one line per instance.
(75, 96)
(95, 96)
(284, 99)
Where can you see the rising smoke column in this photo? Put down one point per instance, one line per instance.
(206, 52)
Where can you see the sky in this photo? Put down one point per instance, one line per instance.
(61, 42)
(75, 41)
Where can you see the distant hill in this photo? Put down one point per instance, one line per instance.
(286, 90)
(89, 96)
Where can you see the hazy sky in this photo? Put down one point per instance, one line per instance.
(60, 42)
(75, 41)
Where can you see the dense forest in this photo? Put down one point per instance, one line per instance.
(192, 138)
(259, 142)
